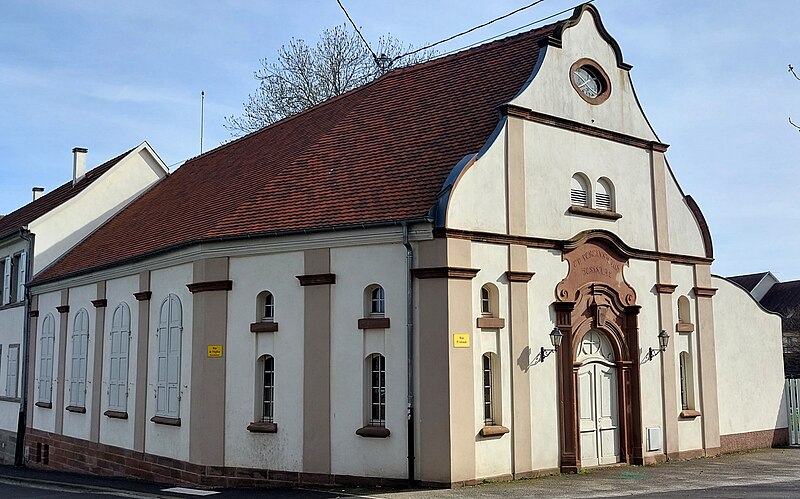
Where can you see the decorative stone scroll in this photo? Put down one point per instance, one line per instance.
(594, 261)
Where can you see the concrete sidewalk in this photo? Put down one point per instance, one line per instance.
(762, 473)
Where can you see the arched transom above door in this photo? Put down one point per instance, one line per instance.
(595, 346)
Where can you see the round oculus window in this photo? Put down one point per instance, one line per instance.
(590, 81)
(587, 82)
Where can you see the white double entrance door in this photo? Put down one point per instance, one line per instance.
(598, 413)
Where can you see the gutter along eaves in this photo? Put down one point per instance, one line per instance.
(38, 281)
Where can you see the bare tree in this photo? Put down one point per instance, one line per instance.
(302, 76)
(791, 70)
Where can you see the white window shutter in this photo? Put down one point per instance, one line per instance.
(169, 358)
(80, 353)
(23, 271)
(47, 344)
(12, 369)
(163, 339)
(118, 376)
(174, 357)
(7, 281)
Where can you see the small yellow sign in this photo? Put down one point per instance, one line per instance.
(460, 340)
(215, 350)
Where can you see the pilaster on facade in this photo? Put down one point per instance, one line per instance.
(142, 348)
(99, 304)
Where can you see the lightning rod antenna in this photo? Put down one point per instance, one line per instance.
(202, 115)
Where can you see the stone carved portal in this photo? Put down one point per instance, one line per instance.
(594, 296)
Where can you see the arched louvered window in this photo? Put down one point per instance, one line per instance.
(80, 359)
(170, 328)
(47, 342)
(604, 195)
(118, 358)
(579, 191)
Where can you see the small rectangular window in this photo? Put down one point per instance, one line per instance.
(14, 284)
(684, 387)
(377, 390)
(5, 264)
(268, 397)
(488, 411)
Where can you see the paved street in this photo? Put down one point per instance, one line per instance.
(761, 474)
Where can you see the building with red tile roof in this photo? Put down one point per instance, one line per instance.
(478, 267)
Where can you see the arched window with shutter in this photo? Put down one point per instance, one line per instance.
(46, 345)
(118, 358)
(170, 328)
(80, 359)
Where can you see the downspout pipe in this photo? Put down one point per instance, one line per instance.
(25, 234)
(410, 349)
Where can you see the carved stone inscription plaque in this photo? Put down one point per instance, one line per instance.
(595, 262)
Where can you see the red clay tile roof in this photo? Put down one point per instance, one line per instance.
(12, 222)
(379, 153)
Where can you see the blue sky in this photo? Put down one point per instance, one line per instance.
(712, 78)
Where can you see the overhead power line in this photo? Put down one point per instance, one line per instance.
(487, 23)
(517, 28)
(357, 30)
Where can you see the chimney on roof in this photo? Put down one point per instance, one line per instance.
(78, 164)
(37, 192)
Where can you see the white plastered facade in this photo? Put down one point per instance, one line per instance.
(52, 234)
(658, 237)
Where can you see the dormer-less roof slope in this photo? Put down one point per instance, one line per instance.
(379, 153)
(783, 298)
(12, 222)
(748, 281)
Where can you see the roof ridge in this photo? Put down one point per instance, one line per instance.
(515, 38)
(395, 72)
(106, 164)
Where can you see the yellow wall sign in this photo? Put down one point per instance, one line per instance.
(215, 350)
(460, 340)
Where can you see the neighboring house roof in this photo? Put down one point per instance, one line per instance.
(748, 281)
(783, 298)
(377, 154)
(12, 222)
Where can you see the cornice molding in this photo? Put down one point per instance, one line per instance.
(199, 287)
(143, 295)
(101, 303)
(582, 128)
(666, 288)
(519, 276)
(444, 272)
(63, 309)
(705, 292)
(316, 279)
(570, 244)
